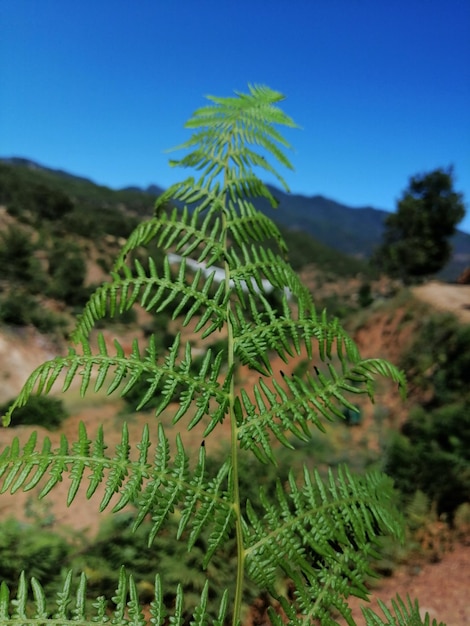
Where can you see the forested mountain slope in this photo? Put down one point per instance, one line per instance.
(352, 231)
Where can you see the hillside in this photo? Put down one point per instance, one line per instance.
(354, 232)
(46, 234)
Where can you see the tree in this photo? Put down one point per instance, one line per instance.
(416, 238)
(308, 543)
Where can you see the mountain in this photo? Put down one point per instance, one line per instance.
(33, 165)
(352, 231)
(152, 190)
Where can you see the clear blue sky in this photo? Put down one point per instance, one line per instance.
(102, 88)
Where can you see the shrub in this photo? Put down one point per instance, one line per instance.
(18, 261)
(432, 454)
(431, 451)
(438, 360)
(67, 269)
(18, 308)
(25, 548)
(39, 410)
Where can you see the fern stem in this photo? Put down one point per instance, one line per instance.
(236, 619)
(236, 493)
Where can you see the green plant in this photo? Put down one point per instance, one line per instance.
(19, 308)
(39, 410)
(67, 270)
(438, 360)
(25, 547)
(432, 454)
(17, 258)
(316, 535)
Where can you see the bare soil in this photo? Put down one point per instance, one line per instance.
(441, 588)
(452, 298)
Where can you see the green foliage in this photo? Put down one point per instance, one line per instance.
(304, 249)
(316, 533)
(96, 221)
(19, 308)
(17, 258)
(67, 269)
(69, 203)
(364, 295)
(118, 545)
(29, 197)
(432, 451)
(402, 614)
(416, 239)
(432, 454)
(42, 411)
(438, 361)
(25, 548)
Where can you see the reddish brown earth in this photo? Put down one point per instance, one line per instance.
(441, 588)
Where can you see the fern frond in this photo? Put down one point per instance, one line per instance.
(31, 606)
(229, 126)
(264, 269)
(155, 489)
(402, 614)
(121, 371)
(156, 291)
(298, 403)
(322, 535)
(182, 232)
(287, 332)
(245, 225)
(222, 261)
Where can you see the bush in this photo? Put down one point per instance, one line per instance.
(68, 269)
(18, 261)
(438, 361)
(432, 454)
(21, 309)
(44, 411)
(29, 548)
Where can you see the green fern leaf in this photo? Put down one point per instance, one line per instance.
(154, 291)
(402, 614)
(123, 609)
(292, 407)
(322, 536)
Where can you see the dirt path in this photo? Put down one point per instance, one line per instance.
(441, 588)
(452, 298)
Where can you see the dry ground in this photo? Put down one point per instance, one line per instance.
(453, 298)
(441, 588)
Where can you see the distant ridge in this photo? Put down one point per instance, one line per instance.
(352, 231)
(153, 190)
(33, 165)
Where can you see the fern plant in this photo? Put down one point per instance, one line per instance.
(317, 533)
